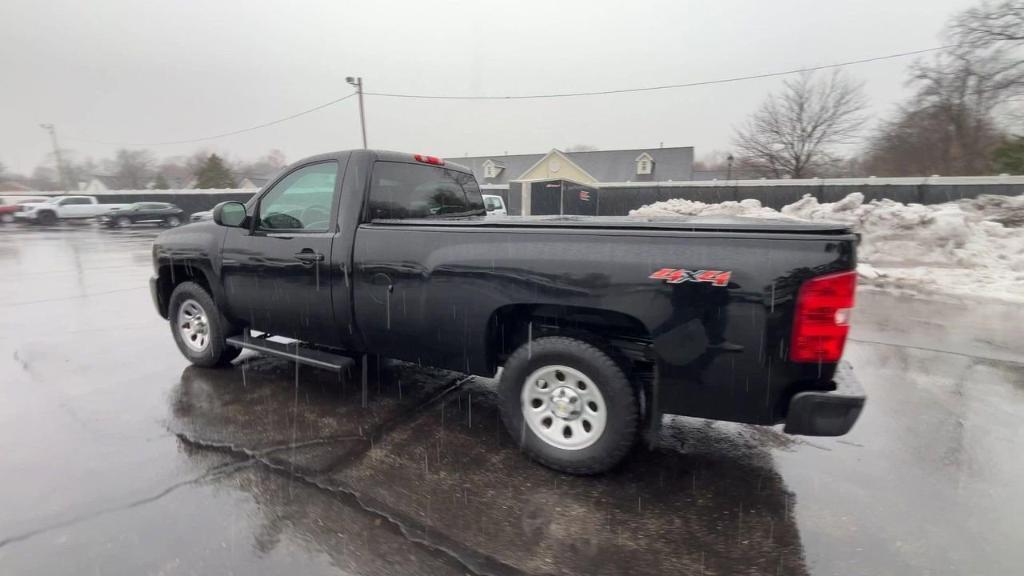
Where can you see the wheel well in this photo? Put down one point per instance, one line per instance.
(624, 337)
(173, 274)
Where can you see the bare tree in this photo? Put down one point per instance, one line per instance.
(966, 97)
(716, 160)
(264, 167)
(132, 169)
(795, 134)
(990, 23)
(921, 141)
(44, 178)
(77, 172)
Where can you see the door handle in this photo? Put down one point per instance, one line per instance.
(307, 256)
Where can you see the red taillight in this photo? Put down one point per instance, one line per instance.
(429, 159)
(822, 318)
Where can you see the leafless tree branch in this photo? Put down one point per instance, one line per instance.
(794, 134)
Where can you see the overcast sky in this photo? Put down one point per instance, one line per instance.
(142, 71)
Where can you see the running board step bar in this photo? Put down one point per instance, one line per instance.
(293, 351)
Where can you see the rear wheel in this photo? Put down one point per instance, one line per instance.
(6, 218)
(569, 405)
(199, 329)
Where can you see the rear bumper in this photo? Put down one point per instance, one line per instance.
(827, 413)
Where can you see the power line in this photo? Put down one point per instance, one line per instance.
(526, 97)
(232, 133)
(663, 87)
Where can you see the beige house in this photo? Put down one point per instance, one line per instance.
(524, 178)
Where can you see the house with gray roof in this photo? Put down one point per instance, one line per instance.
(591, 168)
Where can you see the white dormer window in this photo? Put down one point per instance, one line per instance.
(492, 168)
(644, 164)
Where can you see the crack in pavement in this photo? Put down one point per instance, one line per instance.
(410, 528)
(376, 433)
(66, 298)
(474, 561)
(940, 351)
(215, 472)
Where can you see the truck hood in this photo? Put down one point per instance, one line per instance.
(678, 223)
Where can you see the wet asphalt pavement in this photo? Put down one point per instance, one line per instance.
(117, 457)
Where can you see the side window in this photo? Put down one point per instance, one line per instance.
(400, 190)
(74, 201)
(303, 200)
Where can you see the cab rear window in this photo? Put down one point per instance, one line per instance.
(399, 190)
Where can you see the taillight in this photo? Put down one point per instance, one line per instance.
(429, 159)
(822, 318)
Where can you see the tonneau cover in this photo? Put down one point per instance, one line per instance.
(686, 223)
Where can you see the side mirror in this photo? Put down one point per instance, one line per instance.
(229, 214)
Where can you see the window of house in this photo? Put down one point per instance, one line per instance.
(491, 170)
(644, 164)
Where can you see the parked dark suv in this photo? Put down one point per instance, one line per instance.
(161, 213)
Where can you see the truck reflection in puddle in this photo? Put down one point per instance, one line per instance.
(435, 459)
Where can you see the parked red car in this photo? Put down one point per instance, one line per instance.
(11, 204)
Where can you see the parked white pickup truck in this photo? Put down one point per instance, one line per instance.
(495, 205)
(64, 208)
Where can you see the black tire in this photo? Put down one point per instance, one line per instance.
(620, 399)
(216, 351)
(173, 221)
(47, 218)
(123, 221)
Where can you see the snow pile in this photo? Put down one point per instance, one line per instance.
(967, 247)
(679, 206)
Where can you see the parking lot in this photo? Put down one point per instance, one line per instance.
(118, 457)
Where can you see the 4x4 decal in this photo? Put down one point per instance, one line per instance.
(680, 275)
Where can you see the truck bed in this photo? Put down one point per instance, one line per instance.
(680, 223)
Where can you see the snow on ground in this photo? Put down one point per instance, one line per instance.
(966, 248)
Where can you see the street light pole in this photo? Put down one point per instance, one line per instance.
(56, 153)
(358, 83)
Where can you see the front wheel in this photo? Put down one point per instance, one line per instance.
(6, 218)
(123, 222)
(47, 218)
(569, 405)
(199, 329)
(173, 221)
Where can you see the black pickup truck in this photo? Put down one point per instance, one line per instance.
(600, 325)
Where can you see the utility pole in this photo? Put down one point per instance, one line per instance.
(358, 83)
(56, 153)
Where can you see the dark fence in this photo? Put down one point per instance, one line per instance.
(615, 199)
(191, 202)
(619, 200)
